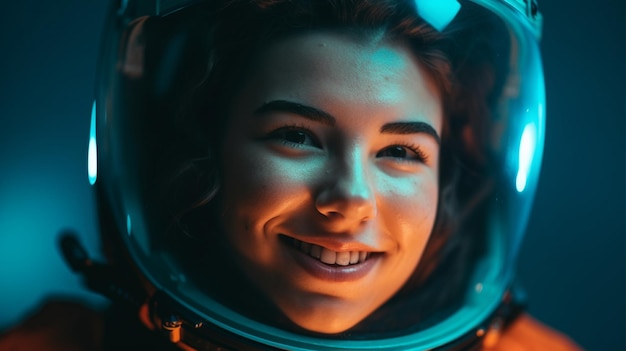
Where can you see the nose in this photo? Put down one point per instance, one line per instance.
(348, 194)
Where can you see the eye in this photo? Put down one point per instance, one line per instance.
(403, 153)
(294, 136)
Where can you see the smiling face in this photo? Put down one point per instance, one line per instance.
(330, 175)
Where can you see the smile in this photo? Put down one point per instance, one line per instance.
(328, 256)
(331, 265)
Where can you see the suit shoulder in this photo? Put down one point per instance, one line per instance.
(57, 325)
(527, 333)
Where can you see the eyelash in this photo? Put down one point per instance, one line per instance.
(420, 155)
(276, 135)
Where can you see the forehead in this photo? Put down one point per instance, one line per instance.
(334, 69)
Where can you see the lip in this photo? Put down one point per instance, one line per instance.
(334, 273)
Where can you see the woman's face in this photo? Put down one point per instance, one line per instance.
(330, 175)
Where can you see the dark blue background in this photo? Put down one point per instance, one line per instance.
(572, 261)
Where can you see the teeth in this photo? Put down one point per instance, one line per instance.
(329, 256)
(354, 257)
(343, 258)
(362, 256)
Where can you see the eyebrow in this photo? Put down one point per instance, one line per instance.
(326, 118)
(410, 128)
(293, 107)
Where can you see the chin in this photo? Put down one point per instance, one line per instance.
(325, 318)
(325, 325)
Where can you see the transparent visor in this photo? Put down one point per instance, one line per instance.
(284, 203)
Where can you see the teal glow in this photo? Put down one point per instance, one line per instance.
(122, 8)
(528, 145)
(438, 13)
(92, 157)
(129, 226)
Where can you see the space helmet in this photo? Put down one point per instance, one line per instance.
(166, 70)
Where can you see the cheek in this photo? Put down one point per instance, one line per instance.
(413, 200)
(248, 186)
(256, 180)
(411, 209)
(259, 186)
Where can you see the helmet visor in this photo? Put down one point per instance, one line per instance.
(167, 79)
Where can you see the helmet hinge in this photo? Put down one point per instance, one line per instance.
(172, 326)
(171, 316)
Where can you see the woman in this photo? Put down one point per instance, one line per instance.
(318, 174)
